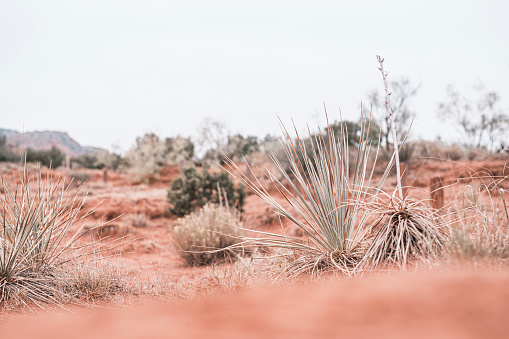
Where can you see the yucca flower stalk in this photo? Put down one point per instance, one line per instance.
(406, 228)
(326, 192)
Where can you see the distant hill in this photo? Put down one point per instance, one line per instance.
(44, 140)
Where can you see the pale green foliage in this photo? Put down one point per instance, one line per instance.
(147, 156)
(203, 237)
(107, 159)
(178, 149)
(150, 153)
(326, 194)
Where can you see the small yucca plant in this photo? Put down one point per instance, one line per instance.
(208, 235)
(326, 195)
(407, 228)
(35, 217)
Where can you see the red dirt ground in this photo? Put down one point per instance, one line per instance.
(458, 304)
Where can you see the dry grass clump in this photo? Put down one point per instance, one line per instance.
(138, 220)
(481, 222)
(219, 279)
(209, 235)
(438, 150)
(480, 242)
(406, 229)
(35, 248)
(96, 280)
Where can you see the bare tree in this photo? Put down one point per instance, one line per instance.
(482, 123)
(402, 93)
(212, 135)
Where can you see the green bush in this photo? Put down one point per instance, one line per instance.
(97, 159)
(86, 161)
(49, 158)
(6, 154)
(199, 236)
(196, 189)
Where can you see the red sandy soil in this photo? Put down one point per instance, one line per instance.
(457, 304)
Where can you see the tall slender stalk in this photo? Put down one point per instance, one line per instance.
(393, 127)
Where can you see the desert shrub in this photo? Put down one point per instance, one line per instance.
(147, 156)
(36, 215)
(236, 147)
(98, 159)
(438, 150)
(196, 189)
(88, 160)
(49, 158)
(207, 236)
(178, 149)
(239, 146)
(79, 178)
(137, 220)
(6, 153)
(150, 153)
(406, 152)
(353, 131)
(354, 134)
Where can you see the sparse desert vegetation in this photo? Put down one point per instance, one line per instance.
(349, 201)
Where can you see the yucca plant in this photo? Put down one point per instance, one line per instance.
(327, 190)
(407, 228)
(36, 214)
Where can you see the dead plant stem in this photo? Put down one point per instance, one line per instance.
(393, 127)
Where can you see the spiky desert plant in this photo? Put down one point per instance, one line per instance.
(326, 192)
(36, 214)
(208, 235)
(407, 228)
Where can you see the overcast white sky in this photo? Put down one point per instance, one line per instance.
(107, 71)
